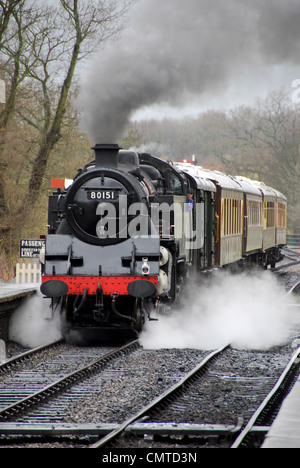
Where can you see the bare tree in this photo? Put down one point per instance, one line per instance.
(65, 36)
(271, 131)
(16, 17)
(268, 137)
(7, 9)
(15, 46)
(42, 50)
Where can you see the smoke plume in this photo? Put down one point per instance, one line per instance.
(173, 51)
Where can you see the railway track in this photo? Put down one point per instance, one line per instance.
(39, 382)
(265, 414)
(9, 364)
(110, 431)
(178, 414)
(171, 424)
(162, 399)
(34, 415)
(210, 399)
(291, 259)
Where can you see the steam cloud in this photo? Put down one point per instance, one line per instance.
(33, 325)
(172, 51)
(244, 310)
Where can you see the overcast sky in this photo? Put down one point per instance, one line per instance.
(190, 56)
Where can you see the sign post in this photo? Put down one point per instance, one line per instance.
(30, 248)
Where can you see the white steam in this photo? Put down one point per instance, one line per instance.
(243, 310)
(33, 324)
(247, 311)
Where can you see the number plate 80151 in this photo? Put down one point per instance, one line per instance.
(102, 195)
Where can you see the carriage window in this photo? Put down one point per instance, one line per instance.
(231, 217)
(254, 213)
(281, 215)
(269, 214)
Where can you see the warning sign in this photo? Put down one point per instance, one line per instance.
(30, 248)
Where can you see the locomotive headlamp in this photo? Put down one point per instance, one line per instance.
(145, 266)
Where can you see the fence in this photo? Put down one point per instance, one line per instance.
(28, 273)
(293, 240)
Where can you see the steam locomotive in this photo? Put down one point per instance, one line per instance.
(124, 240)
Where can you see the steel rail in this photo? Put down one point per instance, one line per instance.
(268, 402)
(66, 381)
(101, 429)
(9, 363)
(286, 265)
(164, 396)
(291, 255)
(291, 290)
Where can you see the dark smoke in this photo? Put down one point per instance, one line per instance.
(279, 31)
(172, 51)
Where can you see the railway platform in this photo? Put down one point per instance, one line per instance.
(12, 293)
(11, 297)
(285, 430)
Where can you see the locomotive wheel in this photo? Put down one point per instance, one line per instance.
(65, 325)
(139, 315)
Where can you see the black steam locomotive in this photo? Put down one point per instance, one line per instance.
(125, 238)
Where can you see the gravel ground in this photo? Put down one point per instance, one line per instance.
(233, 388)
(13, 349)
(122, 388)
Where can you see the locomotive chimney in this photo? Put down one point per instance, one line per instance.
(106, 155)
